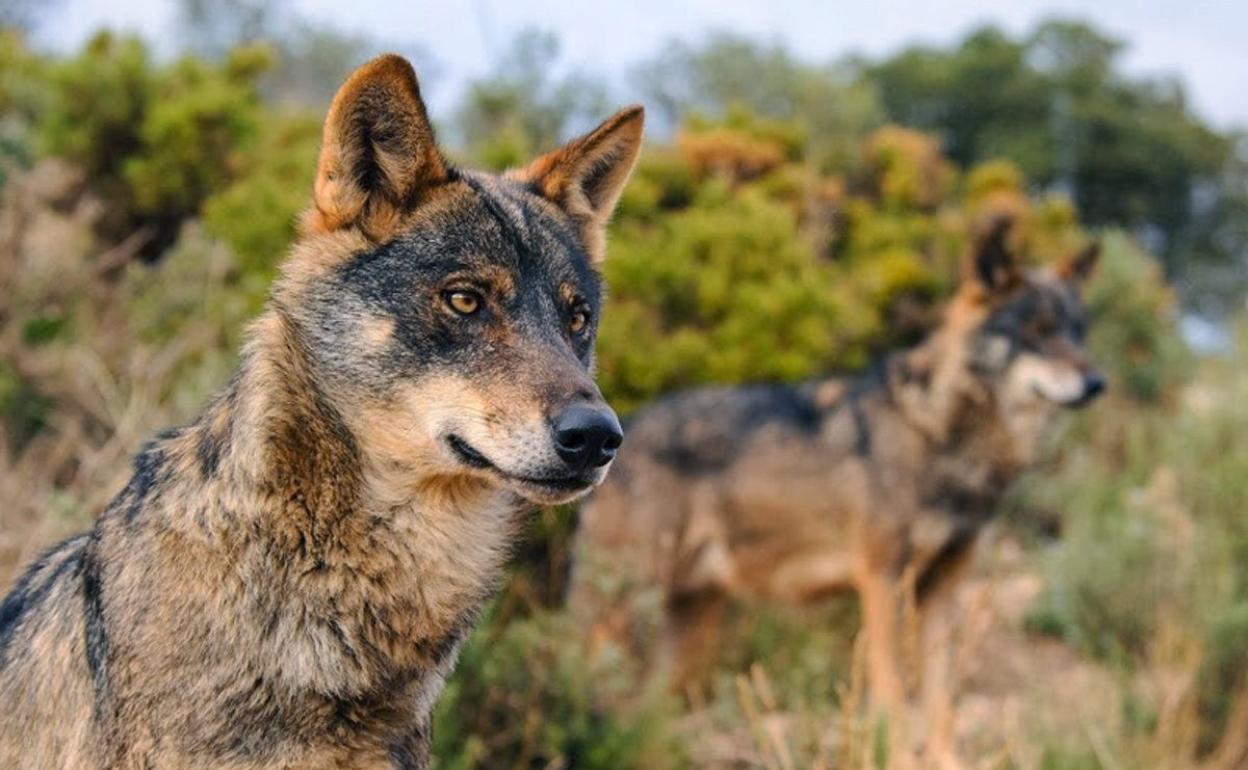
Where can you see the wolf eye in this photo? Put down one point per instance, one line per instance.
(578, 322)
(463, 302)
(1045, 327)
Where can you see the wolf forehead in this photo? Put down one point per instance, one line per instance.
(505, 240)
(1042, 304)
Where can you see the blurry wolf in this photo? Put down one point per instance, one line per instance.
(286, 581)
(878, 484)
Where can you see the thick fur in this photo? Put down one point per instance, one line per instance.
(878, 484)
(286, 581)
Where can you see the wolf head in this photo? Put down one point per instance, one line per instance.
(1029, 344)
(1010, 351)
(449, 316)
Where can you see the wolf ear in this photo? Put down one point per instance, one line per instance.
(992, 264)
(1078, 267)
(586, 176)
(378, 152)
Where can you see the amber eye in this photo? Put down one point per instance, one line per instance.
(462, 301)
(578, 322)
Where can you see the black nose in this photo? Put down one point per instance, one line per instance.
(587, 436)
(1093, 386)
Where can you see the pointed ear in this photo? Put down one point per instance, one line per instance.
(1078, 267)
(992, 264)
(586, 176)
(378, 153)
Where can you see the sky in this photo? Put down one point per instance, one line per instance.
(1201, 41)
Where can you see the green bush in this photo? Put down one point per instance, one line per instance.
(22, 100)
(154, 140)
(196, 120)
(525, 695)
(1154, 542)
(1135, 334)
(723, 290)
(257, 213)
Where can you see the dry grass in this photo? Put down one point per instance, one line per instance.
(1026, 701)
(91, 391)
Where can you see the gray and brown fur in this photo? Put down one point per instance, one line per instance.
(878, 484)
(286, 581)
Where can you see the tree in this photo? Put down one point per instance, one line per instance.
(153, 140)
(826, 102)
(1129, 151)
(521, 107)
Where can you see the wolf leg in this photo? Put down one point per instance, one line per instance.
(938, 616)
(880, 595)
(694, 625)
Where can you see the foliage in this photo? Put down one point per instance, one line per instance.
(311, 58)
(1130, 152)
(520, 109)
(525, 695)
(256, 214)
(1154, 543)
(832, 109)
(153, 140)
(909, 170)
(1055, 102)
(700, 296)
(1136, 334)
(22, 99)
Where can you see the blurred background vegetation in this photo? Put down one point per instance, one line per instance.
(787, 219)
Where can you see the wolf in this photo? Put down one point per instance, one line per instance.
(286, 581)
(877, 484)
